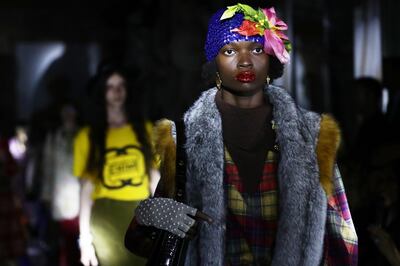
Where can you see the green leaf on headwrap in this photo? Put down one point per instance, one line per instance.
(247, 10)
(250, 18)
(262, 19)
(229, 12)
(288, 46)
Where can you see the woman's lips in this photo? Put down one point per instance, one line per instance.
(246, 76)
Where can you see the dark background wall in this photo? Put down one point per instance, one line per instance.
(164, 39)
(48, 53)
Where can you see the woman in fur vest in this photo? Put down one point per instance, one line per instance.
(260, 169)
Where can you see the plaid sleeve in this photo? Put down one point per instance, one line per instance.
(341, 243)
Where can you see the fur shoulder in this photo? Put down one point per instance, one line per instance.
(327, 146)
(165, 149)
(163, 133)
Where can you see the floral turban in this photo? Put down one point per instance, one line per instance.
(243, 23)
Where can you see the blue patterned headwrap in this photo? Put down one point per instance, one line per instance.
(219, 33)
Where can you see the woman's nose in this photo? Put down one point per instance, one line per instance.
(119, 89)
(244, 60)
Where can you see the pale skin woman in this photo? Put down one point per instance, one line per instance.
(115, 97)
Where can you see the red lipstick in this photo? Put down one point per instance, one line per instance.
(246, 76)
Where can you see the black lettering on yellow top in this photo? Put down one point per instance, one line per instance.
(123, 166)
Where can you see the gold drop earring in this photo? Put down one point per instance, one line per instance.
(268, 80)
(218, 81)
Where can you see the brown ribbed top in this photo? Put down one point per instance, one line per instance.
(248, 135)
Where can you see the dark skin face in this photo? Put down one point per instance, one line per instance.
(243, 68)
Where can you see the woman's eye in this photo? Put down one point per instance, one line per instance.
(229, 52)
(258, 50)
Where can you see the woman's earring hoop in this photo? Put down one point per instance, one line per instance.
(218, 81)
(268, 80)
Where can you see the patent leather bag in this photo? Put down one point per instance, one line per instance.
(159, 246)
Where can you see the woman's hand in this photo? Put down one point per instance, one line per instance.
(88, 253)
(88, 256)
(170, 215)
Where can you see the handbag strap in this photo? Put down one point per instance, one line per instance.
(181, 158)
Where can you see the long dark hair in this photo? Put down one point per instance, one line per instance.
(98, 120)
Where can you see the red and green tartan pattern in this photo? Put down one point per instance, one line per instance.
(251, 218)
(341, 243)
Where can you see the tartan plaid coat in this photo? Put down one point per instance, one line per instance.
(314, 226)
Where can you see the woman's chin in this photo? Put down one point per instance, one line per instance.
(246, 89)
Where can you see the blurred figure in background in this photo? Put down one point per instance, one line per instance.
(383, 241)
(12, 231)
(370, 121)
(45, 120)
(113, 159)
(368, 133)
(373, 183)
(60, 189)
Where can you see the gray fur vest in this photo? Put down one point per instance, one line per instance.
(302, 200)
